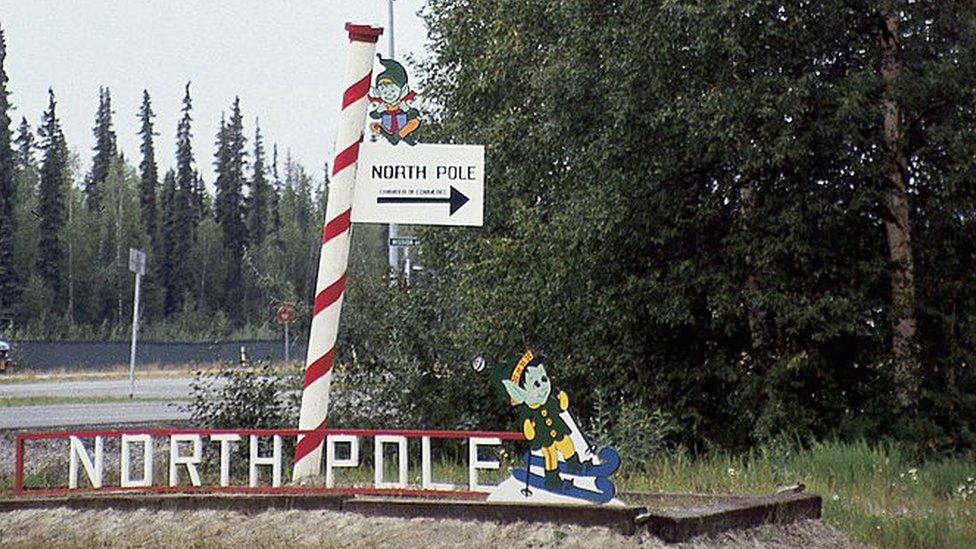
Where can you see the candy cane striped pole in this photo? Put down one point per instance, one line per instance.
(335, 250)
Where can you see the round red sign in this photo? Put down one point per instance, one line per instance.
(285, 314)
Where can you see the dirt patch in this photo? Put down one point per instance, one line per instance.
(143, 528)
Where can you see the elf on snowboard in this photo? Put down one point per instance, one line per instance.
(552, 431)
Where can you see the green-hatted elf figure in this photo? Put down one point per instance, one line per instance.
(528, 388)
(398, 119)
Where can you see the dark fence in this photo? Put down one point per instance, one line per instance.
(43, 355)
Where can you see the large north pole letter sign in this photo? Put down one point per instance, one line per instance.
(335, 249)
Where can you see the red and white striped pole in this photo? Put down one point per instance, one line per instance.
(335, 249)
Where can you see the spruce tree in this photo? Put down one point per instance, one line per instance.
(201, 206)
(148, 172)
(8, 279)
(229, 168)
(258, 204)
(105, 149)
(168, 233)
(275, 191)
(229, 199)
(25, 146)
(180, 235)
(52, 201)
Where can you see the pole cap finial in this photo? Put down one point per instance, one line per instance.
(363, 33)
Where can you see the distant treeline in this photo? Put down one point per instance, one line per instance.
(218, 264)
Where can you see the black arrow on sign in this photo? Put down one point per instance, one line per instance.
(456, 200)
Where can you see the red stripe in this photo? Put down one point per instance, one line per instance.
(319, 368)
(329, 295)
(309, 442)
(357, 91)
(346, 157)
(336, 226)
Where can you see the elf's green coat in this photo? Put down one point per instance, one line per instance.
(545, 421)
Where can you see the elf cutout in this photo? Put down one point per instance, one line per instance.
(570, 466)
(391, 95)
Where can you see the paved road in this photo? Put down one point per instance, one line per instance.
(172, 389)
(62, 415)
(156, 387)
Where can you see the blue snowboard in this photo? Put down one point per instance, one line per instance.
(605, 493)
(609, 462)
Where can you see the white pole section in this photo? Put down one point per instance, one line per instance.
(135, 332)
(334, 254)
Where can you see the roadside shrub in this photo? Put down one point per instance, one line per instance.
(640, 434)
(254, 396)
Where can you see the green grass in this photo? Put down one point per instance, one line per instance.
(40, 376)
(45, 399)
(876, 494)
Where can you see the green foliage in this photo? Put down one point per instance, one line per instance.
(8, 198)
(105, 150)
(686, 197)
(229, 201)
(878, 494)
(253, 396)
(637, 433)
(258, 209)
(148, 171)
(53, 209)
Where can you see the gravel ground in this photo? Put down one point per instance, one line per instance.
(7, 452)
(69, 528)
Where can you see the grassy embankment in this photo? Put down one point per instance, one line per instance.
(877, 495)
(47, 399)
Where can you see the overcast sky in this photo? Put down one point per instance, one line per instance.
(283, 57)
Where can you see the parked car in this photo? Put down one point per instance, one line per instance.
(4, 356)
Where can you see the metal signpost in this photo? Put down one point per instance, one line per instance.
(286, 315)
(137, 264)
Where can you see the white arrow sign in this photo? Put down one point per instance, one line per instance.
(420, 185)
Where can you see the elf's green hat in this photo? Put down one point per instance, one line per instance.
(513, 373)
(393, 72)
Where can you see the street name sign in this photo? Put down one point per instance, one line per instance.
(137, 261)
(424, 184)
(404, 241)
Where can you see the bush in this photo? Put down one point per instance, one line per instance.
(639, 434)
(253, 396)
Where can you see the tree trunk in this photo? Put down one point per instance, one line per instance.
(897, 225)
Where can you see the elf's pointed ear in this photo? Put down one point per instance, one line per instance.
(516, 393)
(404, 90)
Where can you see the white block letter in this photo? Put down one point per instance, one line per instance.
(94, 471)
(330, 455)
(378, 443)
(274, 461)
(191, 461)
(225, 441)
(425, 475)
(474, 463)
(147, 461)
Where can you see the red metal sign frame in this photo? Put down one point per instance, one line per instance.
(24, 436)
